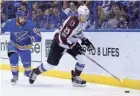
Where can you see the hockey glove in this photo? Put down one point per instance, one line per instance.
(88, 44)
(78, 49)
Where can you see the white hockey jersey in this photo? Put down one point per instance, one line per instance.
(70, 32)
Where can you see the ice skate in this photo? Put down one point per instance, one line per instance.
(32, 76)
(77, 81)
(14, 80)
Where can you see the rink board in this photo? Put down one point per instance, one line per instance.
(134, 84)
(118, 52)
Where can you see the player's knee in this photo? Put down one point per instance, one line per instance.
(81, 59)
(13, 57)
(10, 53)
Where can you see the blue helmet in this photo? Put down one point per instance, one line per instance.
(20, 13)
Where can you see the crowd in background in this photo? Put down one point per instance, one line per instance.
(49, 15)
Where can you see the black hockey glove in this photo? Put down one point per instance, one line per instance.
(88, 44)
(78, 49)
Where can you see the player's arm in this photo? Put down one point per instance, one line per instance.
(35, 34)
(4, 26)
(82, 36)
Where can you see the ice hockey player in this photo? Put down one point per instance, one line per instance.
(66, 40)
(23, 33)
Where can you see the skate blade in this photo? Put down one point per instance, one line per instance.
(78, 85)
(14, 83)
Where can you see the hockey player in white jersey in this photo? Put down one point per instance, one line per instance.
(66, 40)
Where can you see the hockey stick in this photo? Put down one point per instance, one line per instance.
(103, 68)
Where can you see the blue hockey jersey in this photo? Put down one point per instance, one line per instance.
(19, 34)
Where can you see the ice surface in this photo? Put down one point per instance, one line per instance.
(48, 86)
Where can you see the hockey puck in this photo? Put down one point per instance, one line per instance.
(127, 91)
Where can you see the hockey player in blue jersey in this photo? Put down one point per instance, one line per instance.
(23, 33)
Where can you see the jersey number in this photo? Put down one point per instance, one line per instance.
(66, 32)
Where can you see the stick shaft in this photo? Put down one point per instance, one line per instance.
(102, 67)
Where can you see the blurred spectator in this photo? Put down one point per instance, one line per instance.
(66, 8)
(49, 15)
(23, 6)
(134, 22)
(123, 21)
(42, 22)
(84, 2)
(35, 6)
(101, 15)
(73, 8)
(58, 16)
(81, 3)
(107, 5)
(2, 6)
(3, 17)
(65, 5)
(45, 14)
(11, 10)
(34, 17)
(111, 20)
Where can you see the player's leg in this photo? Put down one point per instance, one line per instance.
(79, 66)
(53, 59)
(25, 56)
(13, 57)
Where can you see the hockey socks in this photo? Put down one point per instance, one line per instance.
(79, 68)
(35, 72)
(41, 69)
(76, 80)
(27, 73)
(14, 64)
(27, 68)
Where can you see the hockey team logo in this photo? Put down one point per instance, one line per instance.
(72, 23)
(47, 46)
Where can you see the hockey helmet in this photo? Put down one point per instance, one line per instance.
(83, 12)
(20, 13)
(20, 17)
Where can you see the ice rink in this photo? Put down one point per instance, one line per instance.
(48, 86)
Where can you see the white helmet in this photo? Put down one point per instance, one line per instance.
(83, 10)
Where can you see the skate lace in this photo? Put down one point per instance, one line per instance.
(79, 79)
